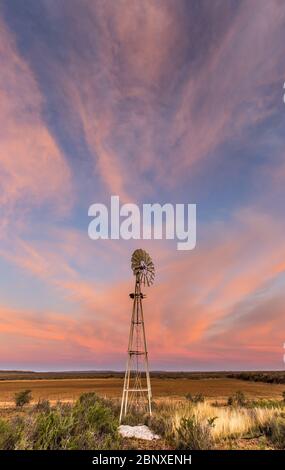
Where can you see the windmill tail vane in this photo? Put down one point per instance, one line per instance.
(137, 387)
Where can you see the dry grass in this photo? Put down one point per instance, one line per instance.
(230, 422)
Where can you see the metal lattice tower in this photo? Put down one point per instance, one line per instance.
(137, 388)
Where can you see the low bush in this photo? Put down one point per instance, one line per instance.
(51, 430)
(8, 436)
(134, 419)
(23, 398)
(194, 435)
(91, 411)
(275, 431)
(237, 399)
(266, 403)
(162, 424)
(199, 398)
(42, 405)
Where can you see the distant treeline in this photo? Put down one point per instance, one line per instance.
(277, 377)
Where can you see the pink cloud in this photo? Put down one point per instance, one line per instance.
(33, 170)
(131, 127)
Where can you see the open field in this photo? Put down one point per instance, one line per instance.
(277, 377)
(71, 389)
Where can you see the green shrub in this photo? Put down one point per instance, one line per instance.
(96, 425)
(88, 398)
(237, 399)
(52, 430)
(42, 405)
(266, 403)
(193, 435)
(135, 418)
(8, 436)
(93, 411)
(275, 431)
(199, 398)
(23, 398)
(162, 424)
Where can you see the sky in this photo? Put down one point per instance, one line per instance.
(173, 101)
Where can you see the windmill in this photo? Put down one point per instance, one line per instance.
(137, 388)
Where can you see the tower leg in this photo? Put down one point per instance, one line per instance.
(146, 361)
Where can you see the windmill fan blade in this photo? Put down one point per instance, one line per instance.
(143, 267)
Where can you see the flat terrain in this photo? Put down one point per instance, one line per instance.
(71, 389)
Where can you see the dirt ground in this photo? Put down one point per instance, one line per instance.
(71, 389)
